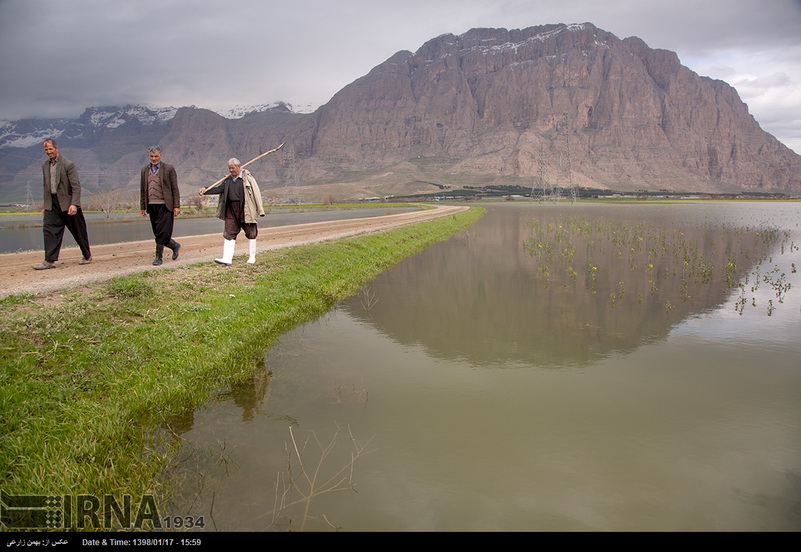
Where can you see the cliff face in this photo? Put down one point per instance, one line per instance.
(572, 103)
(560, 105)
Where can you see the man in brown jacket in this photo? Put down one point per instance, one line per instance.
(61, 207)
(159, 197)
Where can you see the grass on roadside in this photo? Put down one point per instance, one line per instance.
(89, 376)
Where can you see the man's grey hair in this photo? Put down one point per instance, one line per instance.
(154, 149)
(234, 161)
(52, 141)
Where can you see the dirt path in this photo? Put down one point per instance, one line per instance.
(117, 259)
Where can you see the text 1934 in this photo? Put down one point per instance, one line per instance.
(185, 522)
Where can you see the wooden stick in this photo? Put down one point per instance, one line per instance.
(220, 181)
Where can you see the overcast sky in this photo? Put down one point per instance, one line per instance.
(59, 57)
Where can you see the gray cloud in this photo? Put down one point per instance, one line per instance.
(58, 58)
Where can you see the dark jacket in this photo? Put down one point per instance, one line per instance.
(68, 187)
(253, 207)
(169, 186)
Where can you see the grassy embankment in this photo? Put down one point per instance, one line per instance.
(89, 376)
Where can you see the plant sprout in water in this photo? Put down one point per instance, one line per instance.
(668, 265)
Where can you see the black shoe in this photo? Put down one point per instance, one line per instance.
(158, 260)
(175, 251)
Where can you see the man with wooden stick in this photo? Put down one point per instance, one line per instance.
(240, 206)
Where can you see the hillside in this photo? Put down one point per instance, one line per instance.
(547, 106)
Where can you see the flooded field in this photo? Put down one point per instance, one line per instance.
(558, 367)
(24, 232)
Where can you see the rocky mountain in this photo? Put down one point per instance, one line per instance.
(553, 105)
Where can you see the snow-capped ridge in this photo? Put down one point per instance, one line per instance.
(239, 111)
(112, 117)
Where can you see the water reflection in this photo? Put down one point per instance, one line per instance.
(550, 287)
(251, 395)
(491, 398)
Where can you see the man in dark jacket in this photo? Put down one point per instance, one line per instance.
(159, 197)
(61, 207)
(240, 205)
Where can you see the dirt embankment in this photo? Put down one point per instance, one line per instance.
(110, 260)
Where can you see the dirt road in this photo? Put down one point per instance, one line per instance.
(110, 260)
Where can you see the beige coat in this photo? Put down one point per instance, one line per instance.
(254, 207)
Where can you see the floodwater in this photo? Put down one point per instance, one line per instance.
(24, 232)
(557, 367)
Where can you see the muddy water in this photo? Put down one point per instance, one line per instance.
(484, 386)
(24, 232)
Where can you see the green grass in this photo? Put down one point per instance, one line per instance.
(91, 378)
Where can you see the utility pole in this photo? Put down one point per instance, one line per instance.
(294, 192)
(29, 197)
(565, 169)
(546, 190)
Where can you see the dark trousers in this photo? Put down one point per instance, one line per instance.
(233, 223)
(161, 220)
(53, 225)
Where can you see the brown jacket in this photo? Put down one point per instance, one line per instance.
(68, 186)
(169, 186)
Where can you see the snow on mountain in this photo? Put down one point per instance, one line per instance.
(11, 137)
(31, 132)
(239, 111)
(112, 117)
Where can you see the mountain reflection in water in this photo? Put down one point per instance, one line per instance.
(495, 388)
